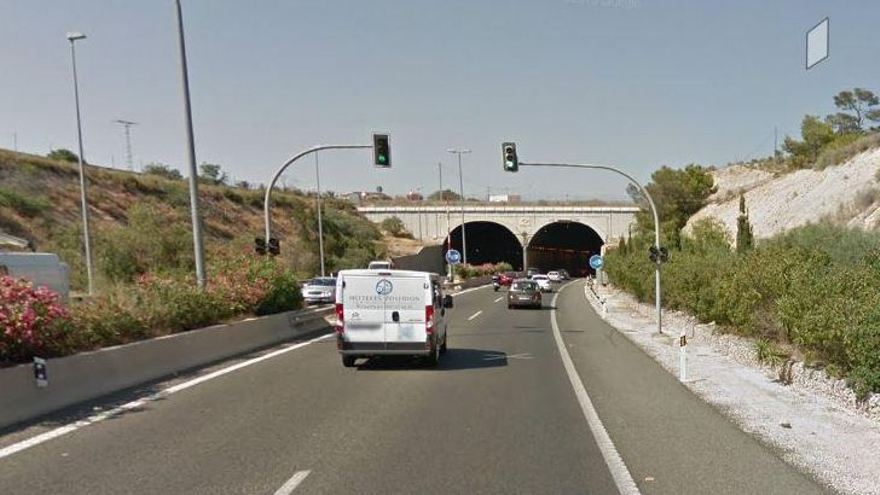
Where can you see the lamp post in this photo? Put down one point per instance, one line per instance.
(320, 220)
(461, 192)
(73, 37)
(198, 245)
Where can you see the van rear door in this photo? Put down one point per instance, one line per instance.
(363, 309)
(405, 301)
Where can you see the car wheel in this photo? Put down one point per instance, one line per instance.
(348, 361)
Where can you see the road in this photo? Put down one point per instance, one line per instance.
(499, 415)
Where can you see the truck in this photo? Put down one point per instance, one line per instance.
(390, 312)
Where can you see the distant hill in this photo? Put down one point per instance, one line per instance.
(39, 201)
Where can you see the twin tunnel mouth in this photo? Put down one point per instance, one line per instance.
(563, 244)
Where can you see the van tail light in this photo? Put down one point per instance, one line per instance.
(429, 319)
(340, 319)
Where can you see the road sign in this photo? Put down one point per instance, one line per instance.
(453, 257)
(596, 262)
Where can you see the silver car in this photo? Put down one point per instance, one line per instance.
(320, 290)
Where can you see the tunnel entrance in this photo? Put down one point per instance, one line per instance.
(487, 242)
(567, 245)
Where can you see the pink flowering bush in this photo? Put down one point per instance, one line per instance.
(32, 322)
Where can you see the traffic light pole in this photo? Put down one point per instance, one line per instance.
(645, 193)
(267, 200)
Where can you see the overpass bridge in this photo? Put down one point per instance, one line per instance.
(549, 236)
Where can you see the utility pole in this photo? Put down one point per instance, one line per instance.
(127, 125)
(191, 156)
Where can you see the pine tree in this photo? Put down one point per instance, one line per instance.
(745, 238)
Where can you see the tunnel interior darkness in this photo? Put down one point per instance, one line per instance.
(567, 245)
(487, 242)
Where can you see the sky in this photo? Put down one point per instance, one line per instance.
(636, 84)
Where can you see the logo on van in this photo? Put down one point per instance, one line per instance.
(384, 287)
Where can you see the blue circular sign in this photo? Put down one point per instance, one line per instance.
(596, 262)
(453, 257)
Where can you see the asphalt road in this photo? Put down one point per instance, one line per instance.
(499, 415)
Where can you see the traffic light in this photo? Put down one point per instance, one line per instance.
(381, 151)
(260, 246)
(658, 255)
(508, 153)
(274, 247)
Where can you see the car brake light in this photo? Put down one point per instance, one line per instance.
(340, 319)
(429, 319)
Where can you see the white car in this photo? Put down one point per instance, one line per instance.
(554, 276)
(543, 282)
(394, 312)
(319, 290)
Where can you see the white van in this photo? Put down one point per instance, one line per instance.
(390, 312)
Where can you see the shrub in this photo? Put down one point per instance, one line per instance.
(32, 321)
(395, 227)
(769, 353)
(27, 205)
(162, 170)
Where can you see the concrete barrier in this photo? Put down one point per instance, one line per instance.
(89, 375)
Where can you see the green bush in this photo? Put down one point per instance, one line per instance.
(816, 287)
(283, 295)
(27, 205)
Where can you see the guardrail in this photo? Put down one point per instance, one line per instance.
(89, 375)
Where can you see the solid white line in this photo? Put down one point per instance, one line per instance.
(478, 313)
(292, 483)
(63, 430)
(622, 477)
(500, 298)
(470, 290)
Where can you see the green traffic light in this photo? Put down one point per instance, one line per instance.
(382, 159)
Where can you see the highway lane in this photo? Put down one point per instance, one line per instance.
(497, 416)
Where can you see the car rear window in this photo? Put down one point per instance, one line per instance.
(525, 286)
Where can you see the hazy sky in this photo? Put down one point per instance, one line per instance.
(634, 83)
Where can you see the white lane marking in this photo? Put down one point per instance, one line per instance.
(63, 430)
(500, 298)
(478, 313)
(622, 477)
(495, 357)
(471, 290)
(292, 483)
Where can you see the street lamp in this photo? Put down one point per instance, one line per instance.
(320, 220)
(198, 245)
(73, 37)
(461, 192)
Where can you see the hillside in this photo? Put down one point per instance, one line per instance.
(39, 200)
(846, 194)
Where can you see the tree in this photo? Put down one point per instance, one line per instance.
(745, 238)
(395, 227)
(243, 184)
(677, 194)
(857, 107)
(815, 134)
(63, 154)
(212, 174)
(621, 245)
(162, 170)
(448, 195)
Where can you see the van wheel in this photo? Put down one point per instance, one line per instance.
(348, 361)
(433, 358)
(443, 347)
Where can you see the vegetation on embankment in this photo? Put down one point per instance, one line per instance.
(812, 292)
(142, 250)
(141, 221)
